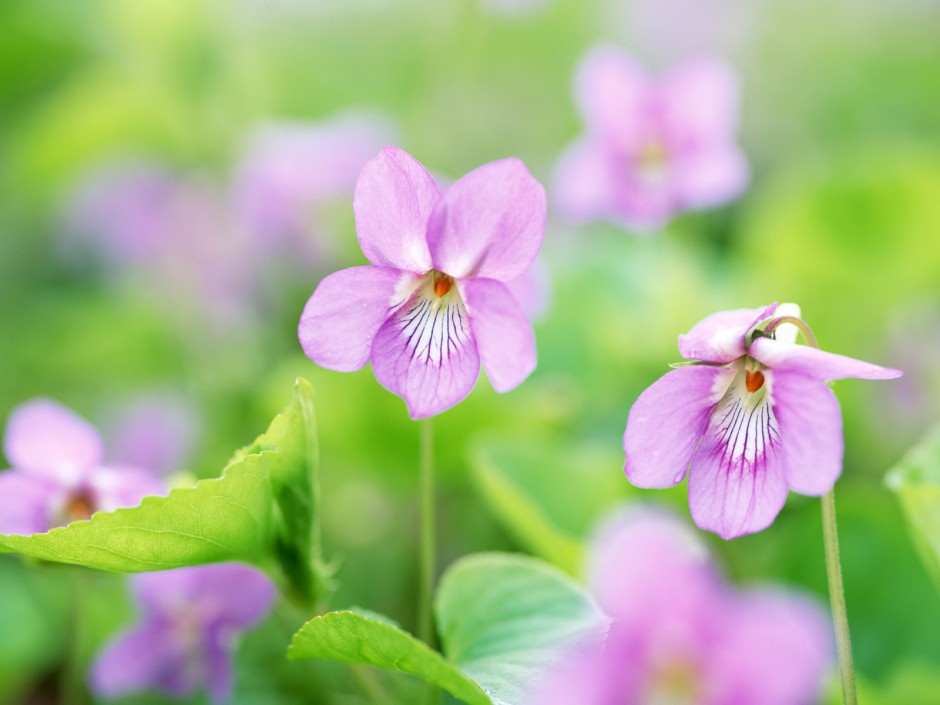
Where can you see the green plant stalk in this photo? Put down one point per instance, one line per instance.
(427, 555)
(840, 619)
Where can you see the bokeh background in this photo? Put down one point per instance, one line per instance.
(144, 270)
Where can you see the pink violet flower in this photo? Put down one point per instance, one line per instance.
(155, 431)
(434, 304)
(58, 473)
(680, 635)
(651, 148)
(750, 418)
(189, 621)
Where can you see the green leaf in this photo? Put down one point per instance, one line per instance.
(261, 510)
(503, 619)
(527, 486)
(355, 638)
(916, 480)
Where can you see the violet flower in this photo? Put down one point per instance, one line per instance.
(184, 638)
(750, 417)
(651, 149)
(58, 475)
(681, 636)
(154, 431)
(434, 304)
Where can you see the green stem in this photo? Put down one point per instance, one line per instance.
(72, 690)
(427, 567)
(837, 599)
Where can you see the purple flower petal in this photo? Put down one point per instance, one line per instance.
(427, 354)
(154, 432)
(489, 224)
(811, 428)
(710, 176)
(737, 482)
(26, 502)
(532, 289)
(816, 363)
(700, 104)
(503, 334)
(140, 658)
(777, 650)
(48, 439)
(613, 93)
(345, 312)
(666, 423)
(218, 663)
(583, 183)
(116, 486)
(719, 338)
(394, 197)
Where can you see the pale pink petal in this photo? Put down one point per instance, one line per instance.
(532, 289)
(776, 650)
(118, 486)
(709, 177)
(503, 334)
(666, 423)
(48, 439)
(141, 658)
(614, 95)
(345, 312)
(393, 200)
(700, 104)
(26, 502)
(583, 185)
(816, 363)
(218, 664)
(737, 482)
(241, 607)
(490, 223)
(811, 428)
(155, 432)
(719, 338)
(426, 353)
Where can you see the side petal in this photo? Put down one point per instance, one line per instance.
(426, 354)
(810, 429)
(490, 223)
(345, 312)
(138, 659)
(666, 423)
(719, 338)
(533, 290)
(711, 176)
(46, 438)
(218, 663)
(737, 483)
(614, 95)
(117, 486)
(236, 608)
(700, 102)
(582, 185)
(776, 650)
(393, 199)
(504, 336)
(816, 363)
(26, 502)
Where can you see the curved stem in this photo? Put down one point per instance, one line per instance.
(799, 323)
(840, 618)
(427, 559)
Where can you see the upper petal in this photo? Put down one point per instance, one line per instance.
(614, 95)
(737, 483)
(117, 486)
(426, 353)
(346, 310)
(46, 438)
(665, 425)
(700, 103)
(822, 365)
(776, 649)
(394, 197)
(811, 431)
(504, 336)
(490, 223)
(720, 338)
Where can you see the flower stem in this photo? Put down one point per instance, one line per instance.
(837, 599)
(427, 567)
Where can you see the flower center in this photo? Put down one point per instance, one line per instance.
(80, 505)
(753, 380)
(652, 161)
(673, 683)
(442, 284)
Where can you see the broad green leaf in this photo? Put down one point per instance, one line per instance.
(356, 638)
(261, 511)
(503, 619)
(528, 488)
(916, 479)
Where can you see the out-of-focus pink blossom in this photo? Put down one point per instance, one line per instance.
(680, 635)
(651, 148)
(155, 431)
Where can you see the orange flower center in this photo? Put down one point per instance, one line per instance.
(442, 284)
(753, 380)
(80, 506)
